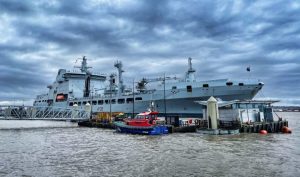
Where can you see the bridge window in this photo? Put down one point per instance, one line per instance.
(174, 87)
(229, 83)
(241, 84)
(100, 101)
(129, 100)
(189, 88)
(205, 85)
(106, 101)
(79, 103)
(71, 104)
(84, 103)
(94, 102)
(113, 101)
(138, 98)
(121, 101)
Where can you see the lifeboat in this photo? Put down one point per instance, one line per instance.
(60, 97)
(145, 123)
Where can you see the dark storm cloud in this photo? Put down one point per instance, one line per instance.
(224, 37)
(15, 7)
(19, 79)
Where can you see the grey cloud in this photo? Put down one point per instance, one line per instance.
(223, 37)
(19, 79)
(16, 7)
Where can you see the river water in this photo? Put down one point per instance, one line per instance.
(48, 148)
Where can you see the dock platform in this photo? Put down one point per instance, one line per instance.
(271, 127)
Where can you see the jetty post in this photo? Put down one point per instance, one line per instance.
(212, 113)
(88, 109)
(75, 111)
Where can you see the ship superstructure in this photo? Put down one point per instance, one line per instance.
(172, 95)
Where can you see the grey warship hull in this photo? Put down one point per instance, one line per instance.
(171, 98)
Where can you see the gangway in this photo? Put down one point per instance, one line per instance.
(12, 112)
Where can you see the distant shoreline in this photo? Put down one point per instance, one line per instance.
(286, 108)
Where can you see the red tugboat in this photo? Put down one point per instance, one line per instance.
(145, 123)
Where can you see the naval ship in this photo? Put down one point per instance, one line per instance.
(171, 95)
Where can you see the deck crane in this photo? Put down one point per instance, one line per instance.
(141, 85)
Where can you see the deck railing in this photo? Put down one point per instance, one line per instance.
(42, 112)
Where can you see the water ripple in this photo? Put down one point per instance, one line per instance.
(77, 151)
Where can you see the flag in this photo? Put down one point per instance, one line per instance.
(248, 68)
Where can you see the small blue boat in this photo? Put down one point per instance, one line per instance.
(144, 123)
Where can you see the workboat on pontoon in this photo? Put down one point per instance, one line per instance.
(146, 123)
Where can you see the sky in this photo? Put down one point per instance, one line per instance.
(151, 37)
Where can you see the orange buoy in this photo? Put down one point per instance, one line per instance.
(263, 132)
(286, 129)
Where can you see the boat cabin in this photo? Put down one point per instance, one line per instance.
(147, 115)
(145, 119)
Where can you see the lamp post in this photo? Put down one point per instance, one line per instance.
(110, 96)
(133, 98)
(91, 102)
(165, 105)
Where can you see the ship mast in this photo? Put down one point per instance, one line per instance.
(84, 69)
(190, 74)
(119, 66)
